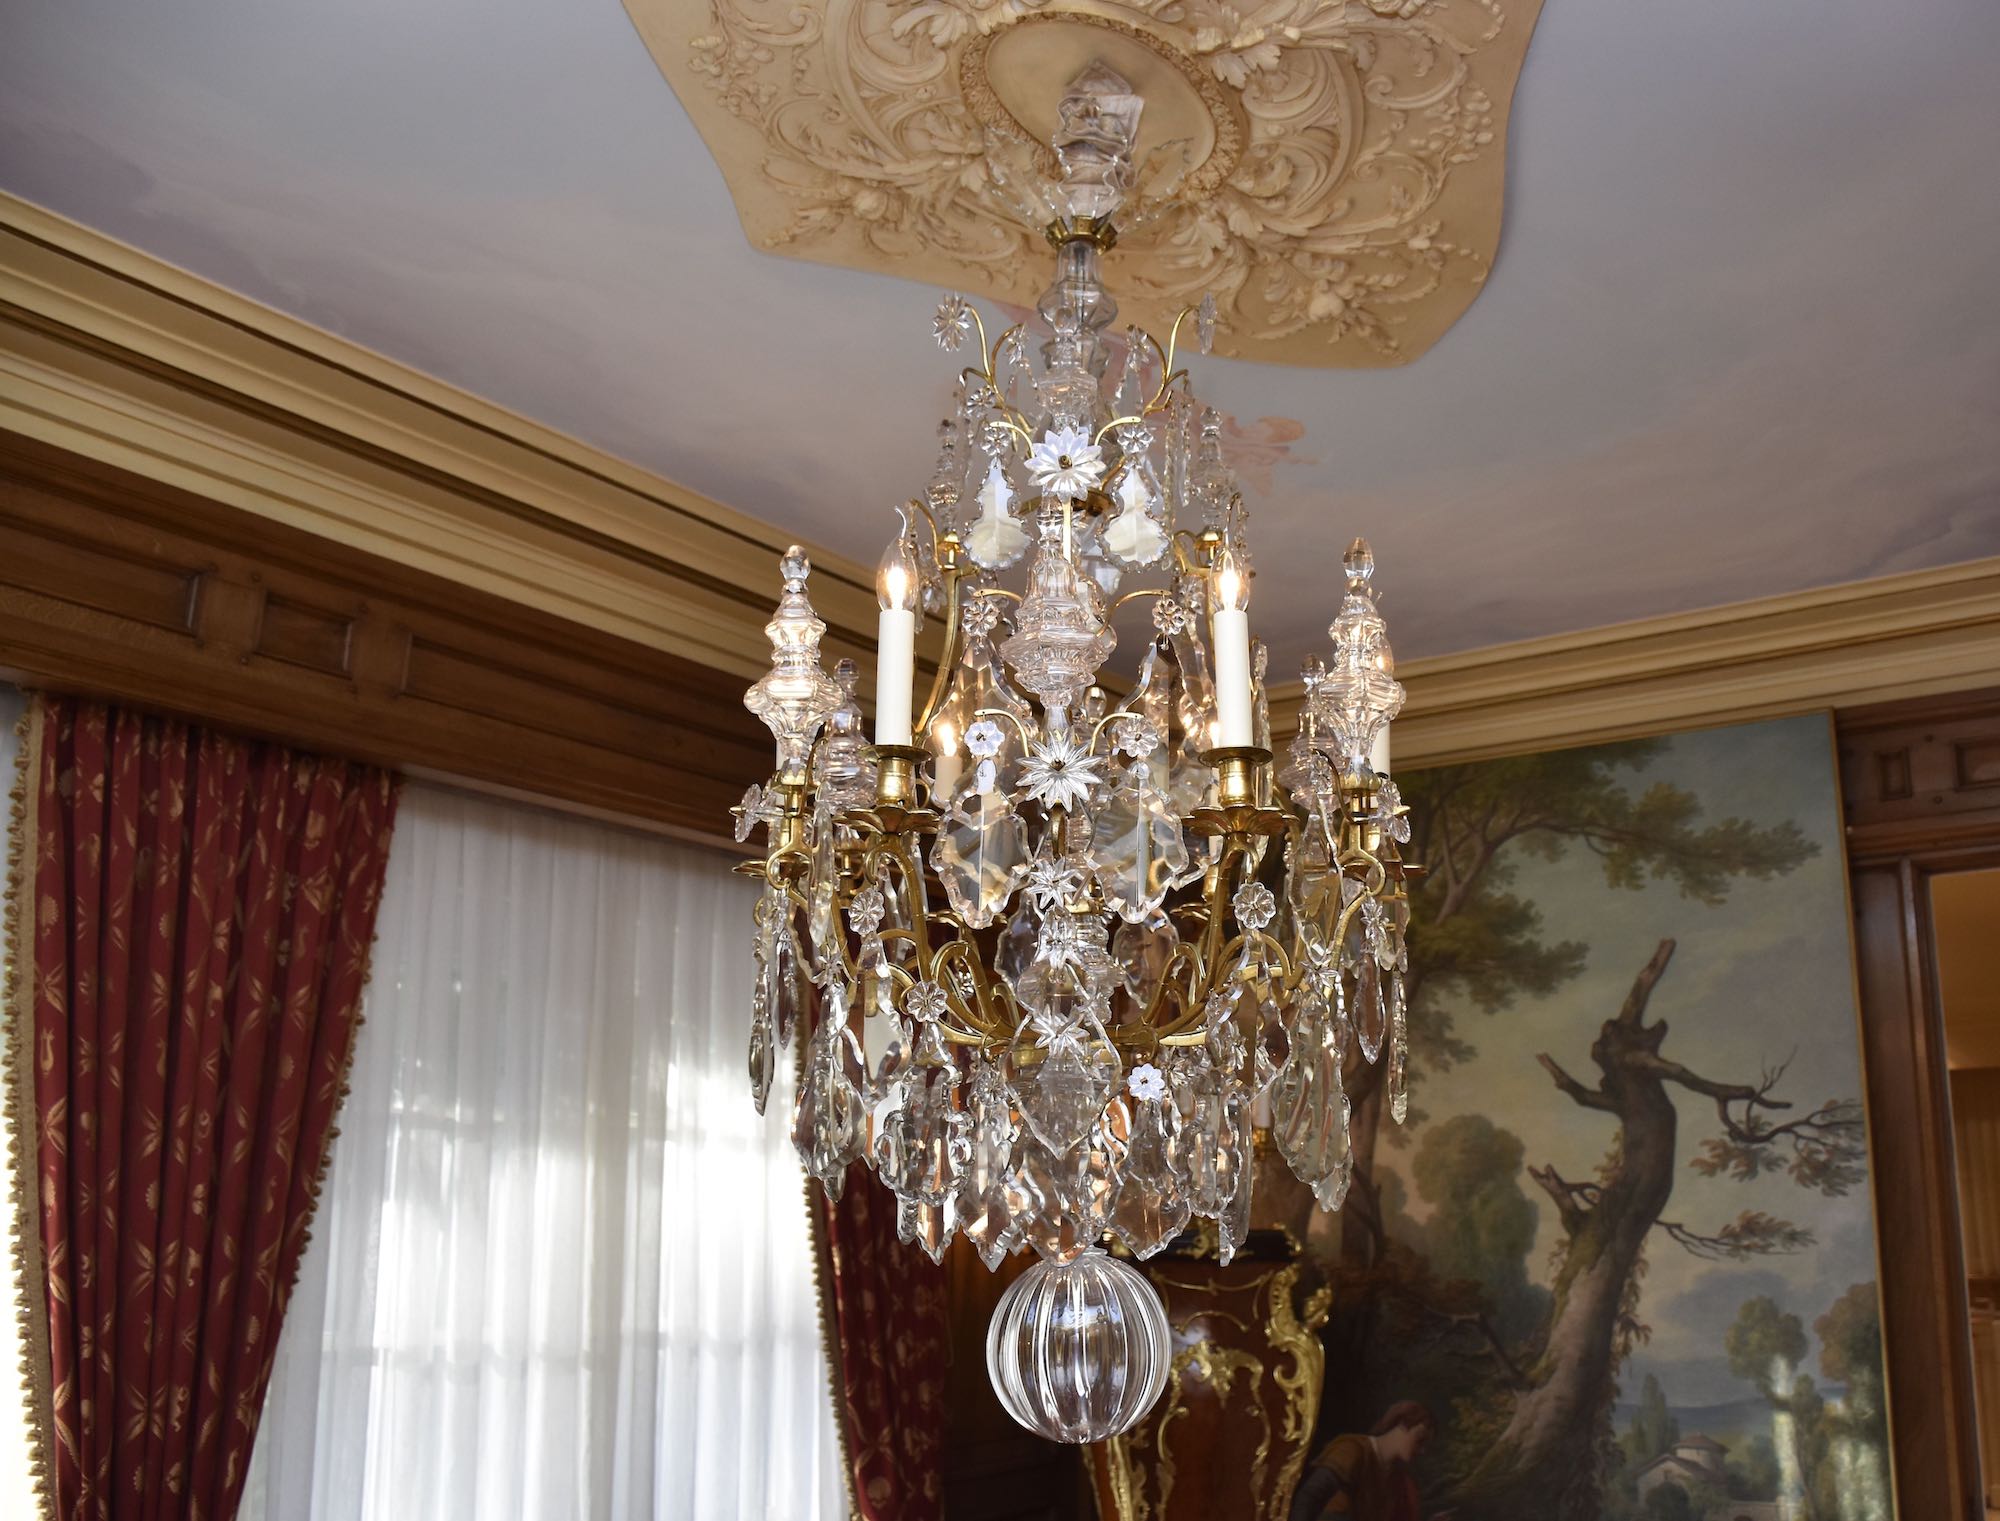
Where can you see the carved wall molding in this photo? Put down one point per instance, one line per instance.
(1332, 172)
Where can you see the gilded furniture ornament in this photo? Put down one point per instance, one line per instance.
(1231, 1434)
(1331, 172)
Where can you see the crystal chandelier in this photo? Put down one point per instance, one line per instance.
(1061, 951)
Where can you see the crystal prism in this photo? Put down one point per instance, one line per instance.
(1065, 1096)
(1139, 852)
(1152, 1206)
(1238, 1163)
(763, 1059)
(830, 1116)
(980, 856)
(1142, 951)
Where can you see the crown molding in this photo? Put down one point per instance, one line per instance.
(125, 359)
(1900, 636)
(120, 357)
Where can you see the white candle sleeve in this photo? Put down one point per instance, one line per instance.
(1378, 753)
(895, 672)
(1232, 678)
(945, 772)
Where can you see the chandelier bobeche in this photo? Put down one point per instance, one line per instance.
(1066, 956)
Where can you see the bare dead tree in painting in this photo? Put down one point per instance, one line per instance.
(1546, 1459)
(1550, 1394)
(1482, 942)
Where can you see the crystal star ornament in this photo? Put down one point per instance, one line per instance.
(953, 323)
(1060, 771)
(1054, 881)
(1066, 464)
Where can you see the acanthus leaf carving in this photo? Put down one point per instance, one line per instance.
(1344, 206)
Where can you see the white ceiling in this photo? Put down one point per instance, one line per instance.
(1742, 337)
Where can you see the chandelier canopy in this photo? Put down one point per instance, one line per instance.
(1061, 950)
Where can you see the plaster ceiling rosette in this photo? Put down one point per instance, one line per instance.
(1331, 171)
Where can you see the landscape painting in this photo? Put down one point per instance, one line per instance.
(1620, 1263)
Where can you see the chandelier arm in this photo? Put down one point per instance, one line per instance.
(923, 509)
(948, 658)
(1159, 397)
(1347, 913)
(1189, 564)
(904, 855)
(984, 1025)
(1135, 596)
(1115, 423)
(1215, 892)
(985, 351)
(991, 352)
(1169, 988)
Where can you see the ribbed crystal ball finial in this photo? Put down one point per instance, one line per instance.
(1078, 1351)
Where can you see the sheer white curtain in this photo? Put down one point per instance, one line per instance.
(561, 1269)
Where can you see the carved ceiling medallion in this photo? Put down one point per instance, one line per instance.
(1331, 171)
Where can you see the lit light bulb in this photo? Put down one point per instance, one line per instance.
(1232, 586)
(896, 578)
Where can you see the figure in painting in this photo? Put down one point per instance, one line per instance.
(1367, 1478)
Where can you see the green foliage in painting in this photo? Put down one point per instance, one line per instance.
(1512, 1298)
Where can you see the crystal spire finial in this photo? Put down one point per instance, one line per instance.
(1359, 693)
(795, 696)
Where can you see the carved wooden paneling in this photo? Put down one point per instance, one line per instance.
(1921, 789)
(123, 587)
(1920, 774)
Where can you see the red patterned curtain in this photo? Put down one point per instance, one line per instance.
(889, 1320)
(202, 913)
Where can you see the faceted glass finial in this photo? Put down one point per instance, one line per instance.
(1359, 692)
(1098, 127)
(1360, 563)
(795, 696)
(1059, 637)
(845, 775)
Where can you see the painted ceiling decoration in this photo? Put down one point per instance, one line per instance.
(1332, 172)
